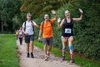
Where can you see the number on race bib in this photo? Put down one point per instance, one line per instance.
(67, 30)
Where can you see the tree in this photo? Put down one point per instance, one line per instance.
(39, 7)
(8, 9)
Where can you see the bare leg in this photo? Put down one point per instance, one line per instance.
(45, 52)
(27, 48)
(45, 49)
(49, 49)
(31, 48)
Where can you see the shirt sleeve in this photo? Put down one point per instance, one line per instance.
(52, 20)
(23, 25)
(34, 23)
(41, 26)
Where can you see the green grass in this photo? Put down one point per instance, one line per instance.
(81, 61)
(8, 53)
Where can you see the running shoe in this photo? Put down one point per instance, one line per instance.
(32, 56)
(63, 58)
(46, 58)
(48, 55)
(28, 55)
(72, 61)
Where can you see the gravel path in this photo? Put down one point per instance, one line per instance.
(38, 61)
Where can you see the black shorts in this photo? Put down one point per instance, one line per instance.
(29, 38)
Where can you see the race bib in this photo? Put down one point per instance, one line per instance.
(20, 33)
(67, 30)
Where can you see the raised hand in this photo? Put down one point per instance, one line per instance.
(59, 20)
(81, 11)
(53, 12)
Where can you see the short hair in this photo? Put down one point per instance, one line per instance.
(66, 11)
(28, 14)
(46, 15)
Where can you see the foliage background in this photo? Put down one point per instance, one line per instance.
(86, 32)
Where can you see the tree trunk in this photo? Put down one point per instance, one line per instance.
(1, 26)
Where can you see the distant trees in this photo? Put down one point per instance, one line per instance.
(8, 10)
(39, 7)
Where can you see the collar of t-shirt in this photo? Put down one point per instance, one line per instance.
(31, 22)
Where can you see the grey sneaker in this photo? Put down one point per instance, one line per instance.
(63, 58)
(48, 55)
(46, 59)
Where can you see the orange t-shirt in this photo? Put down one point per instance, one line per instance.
(47, 28)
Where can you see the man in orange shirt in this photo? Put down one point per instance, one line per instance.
(47, 33)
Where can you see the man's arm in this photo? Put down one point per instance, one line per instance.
(35, 25)
(55, 17)
(40, 33)
(54, 13)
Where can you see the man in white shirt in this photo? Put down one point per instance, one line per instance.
(28, 30)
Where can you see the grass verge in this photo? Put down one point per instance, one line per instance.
(83, 62)
(8, 53)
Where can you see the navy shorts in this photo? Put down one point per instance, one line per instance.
(29, 38)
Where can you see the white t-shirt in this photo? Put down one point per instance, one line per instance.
(29, 27)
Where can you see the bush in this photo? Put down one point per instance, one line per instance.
(87, 36)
